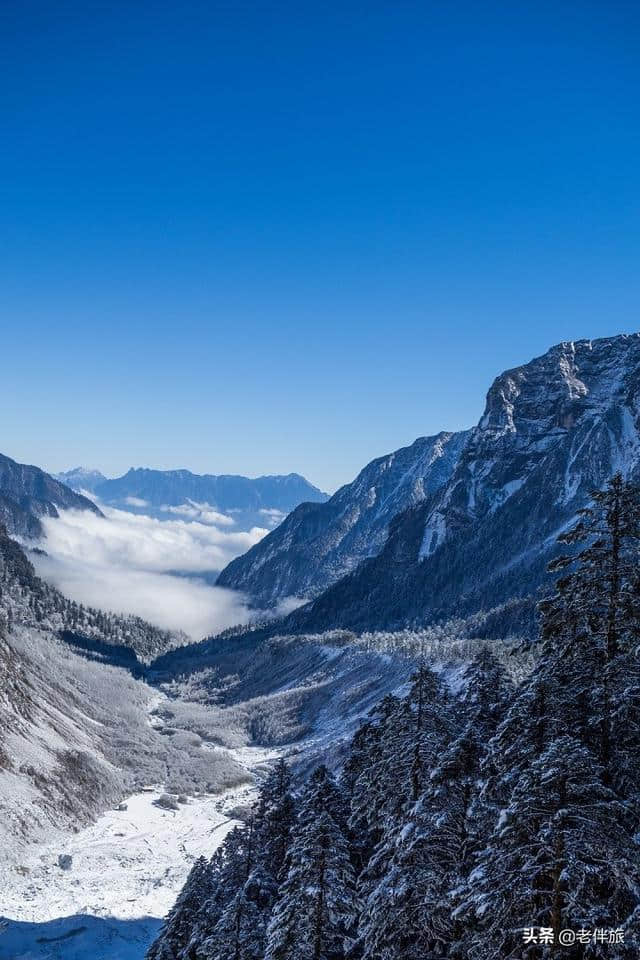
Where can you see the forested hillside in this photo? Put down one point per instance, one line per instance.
(482, 820)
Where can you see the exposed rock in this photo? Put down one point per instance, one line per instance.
(318, 544)
(552, 431)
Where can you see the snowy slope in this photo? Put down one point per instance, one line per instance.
(126, 871)
(320, 542)
(552, 431)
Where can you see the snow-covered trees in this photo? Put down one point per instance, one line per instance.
(178, 926)
(561, 772)
(226, 903)
(423, 859)
(591, 631)
(466, 815)
(250, 875)
(315, 915)
(561, 856)
(598, 589)
(240, 932)
(275, 819)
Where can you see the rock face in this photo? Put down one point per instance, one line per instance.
(552, 431)
(28, 493)
(319, 543)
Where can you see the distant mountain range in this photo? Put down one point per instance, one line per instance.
(262, 501)
(552, 430)
(28, 493)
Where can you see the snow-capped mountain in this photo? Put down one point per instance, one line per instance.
(260, 502)
(226, 492)
(319, 543)
(557, 427)
(81, 478)
(553, 430)
(28, 493)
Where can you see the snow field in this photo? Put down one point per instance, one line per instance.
(128, 866)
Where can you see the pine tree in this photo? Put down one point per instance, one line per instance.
(606, 538)
(240, 930)
(234, 861)
(323, 795)
(315, 914)
(537, 715)
(426, 698)
(561, 855)
(366, 789)
(386, 793)
(591, 626)
(176, 931)
(274, 819)
(408, 735)
(240, 933)
(624, 724)
(486, 693)
(408, 914)
(211, 907)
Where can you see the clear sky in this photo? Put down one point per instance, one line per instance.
(259, 237)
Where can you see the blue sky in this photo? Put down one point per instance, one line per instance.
(264, 237)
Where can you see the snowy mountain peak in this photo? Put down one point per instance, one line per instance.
(81, 478)
(574, 399)
(553, 430)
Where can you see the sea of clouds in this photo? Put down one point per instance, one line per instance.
(134, 563)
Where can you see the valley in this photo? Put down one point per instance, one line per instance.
(320, 481)
(125, 872)
(133, 768)
(131, 747)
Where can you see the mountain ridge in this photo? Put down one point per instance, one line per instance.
(552, 430)
(27, 493)
(317, 544)
(260, 501)
(80, 478)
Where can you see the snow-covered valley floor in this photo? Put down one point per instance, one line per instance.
(125, 873)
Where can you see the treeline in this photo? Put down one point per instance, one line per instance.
(490, 823)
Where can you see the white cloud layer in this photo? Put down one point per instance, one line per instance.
(202, 512)
(130, 563)
(273, 516)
